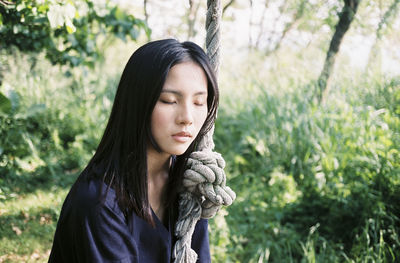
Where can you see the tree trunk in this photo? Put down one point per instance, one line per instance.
(191, 18)
(250, 24)
(227, 5)
(346, 16)
(146, 17)
(288, 26)
(261, 26)
(386, 19)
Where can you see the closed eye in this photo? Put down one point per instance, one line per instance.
(168, 101)
(199, 102)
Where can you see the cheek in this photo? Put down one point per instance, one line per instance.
(202, 116)
(158, 119)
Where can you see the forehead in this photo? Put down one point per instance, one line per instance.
(186, 76)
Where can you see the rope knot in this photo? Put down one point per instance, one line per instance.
(205, 178)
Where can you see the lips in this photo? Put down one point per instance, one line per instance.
(182, 136)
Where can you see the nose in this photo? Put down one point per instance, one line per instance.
(185, 115)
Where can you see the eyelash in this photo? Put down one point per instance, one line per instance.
(168, 102)
(174, 102)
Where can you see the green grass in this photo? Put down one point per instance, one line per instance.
(27, 224)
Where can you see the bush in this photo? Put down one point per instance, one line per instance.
(336, 196)
(48, 126)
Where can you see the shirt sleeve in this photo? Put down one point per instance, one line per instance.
(200, 241)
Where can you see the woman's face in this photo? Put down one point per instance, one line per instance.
(181, 110)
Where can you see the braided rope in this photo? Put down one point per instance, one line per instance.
(214, 13)
(205, 189)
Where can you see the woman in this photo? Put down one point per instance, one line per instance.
(123, 206)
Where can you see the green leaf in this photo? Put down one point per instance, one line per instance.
(134, 33)
(39, 20)
(119, 15)
(20, 6)
(14, 99)
(70, 27)
(5, 104)
(31, 111)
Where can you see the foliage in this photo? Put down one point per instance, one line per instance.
(314, 183)
(68, 31)
(43, 135)
(47, 135)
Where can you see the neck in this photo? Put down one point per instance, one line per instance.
(157, 177)
(157, 163)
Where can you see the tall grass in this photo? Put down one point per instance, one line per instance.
(315, 183)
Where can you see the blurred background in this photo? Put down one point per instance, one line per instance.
(309, 119)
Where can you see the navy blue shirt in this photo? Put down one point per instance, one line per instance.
(90, 230)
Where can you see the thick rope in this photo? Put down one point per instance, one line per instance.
(214, 13)
(204, 182)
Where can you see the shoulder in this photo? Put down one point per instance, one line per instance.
(91, 226)
(91, 198)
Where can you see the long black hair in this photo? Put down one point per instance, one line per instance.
(122, 149)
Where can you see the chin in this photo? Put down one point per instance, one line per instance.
(177, 153)
(179, 150)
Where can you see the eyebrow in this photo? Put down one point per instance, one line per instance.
(180, 94)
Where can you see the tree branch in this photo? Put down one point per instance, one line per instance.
(227, 5)
(6, 3)
(146, 15)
